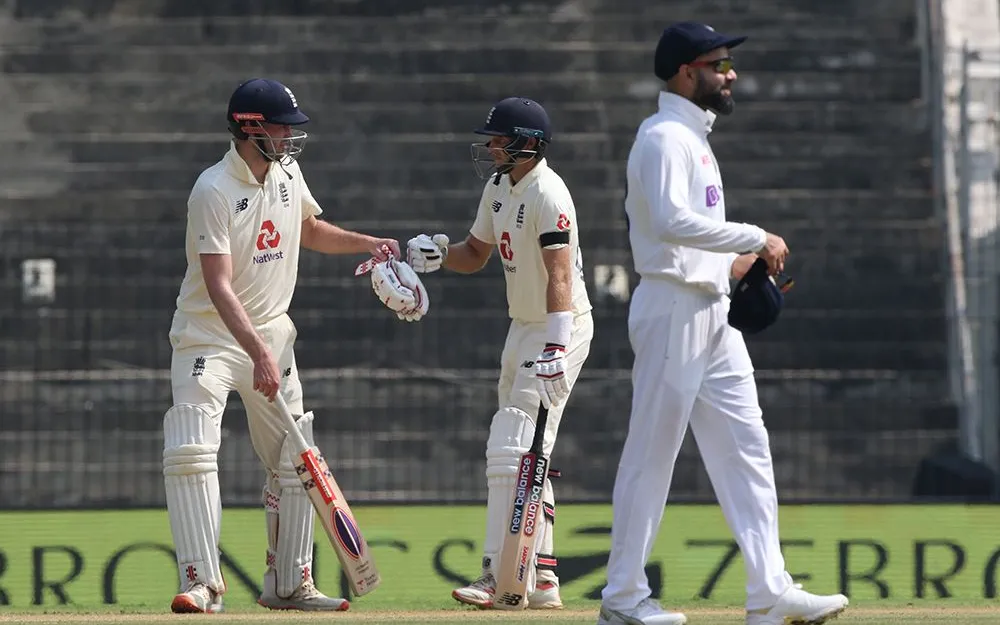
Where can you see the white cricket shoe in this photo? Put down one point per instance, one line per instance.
(479, 593)
(648, 612)
(545, 596)
(197, 599)
(798, 607)
(306, 597)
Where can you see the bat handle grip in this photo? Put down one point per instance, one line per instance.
(291, 429)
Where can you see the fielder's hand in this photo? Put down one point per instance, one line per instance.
(399, 288)
(426, 254)
(550, 371)
(774, 252)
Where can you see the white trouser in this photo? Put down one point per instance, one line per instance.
(513, 428)
(208, 364)
(691, 367)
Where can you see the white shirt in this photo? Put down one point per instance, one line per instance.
(675, 203)
(258, 225)
(513, 218)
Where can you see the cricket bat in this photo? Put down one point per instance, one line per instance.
(334, 513)
(517, 554)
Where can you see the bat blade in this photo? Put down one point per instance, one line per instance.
(339, 523)
(526, 519)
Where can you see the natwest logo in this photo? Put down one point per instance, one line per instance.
(269, 236)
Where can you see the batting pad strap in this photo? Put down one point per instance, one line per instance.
(549, 509)
(545, 562)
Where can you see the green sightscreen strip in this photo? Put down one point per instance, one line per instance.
(879, 554)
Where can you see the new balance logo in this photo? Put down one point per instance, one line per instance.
(496, 206)
(284, 194)
(241, 205)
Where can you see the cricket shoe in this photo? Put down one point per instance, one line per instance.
(479, 593)
(197, 599)
(545, 597)
(648, 612)
(798, 607)
(306, 598)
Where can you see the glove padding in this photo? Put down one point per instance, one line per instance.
(426, 254)
(399, 288)
(550, 373)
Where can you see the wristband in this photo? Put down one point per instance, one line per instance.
(560, 326)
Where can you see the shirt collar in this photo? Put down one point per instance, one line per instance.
(238, 168)
(528, 178)
(691, 114)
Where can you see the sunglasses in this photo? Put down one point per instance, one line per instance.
(784, 282)
(720, 66)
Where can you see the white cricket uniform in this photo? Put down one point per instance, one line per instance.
(690, 366)
(260, 227)
(513, 218)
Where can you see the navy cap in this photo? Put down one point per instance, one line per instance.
(756, 301)
(263, 100)
(517, 117)
(683, 42)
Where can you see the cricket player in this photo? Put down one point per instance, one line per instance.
(528, 212)
(691, 367)
(248, 216)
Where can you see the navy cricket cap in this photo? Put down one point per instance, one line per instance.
(756, 301)
(263, 100)
(683, 42)
(517, 117)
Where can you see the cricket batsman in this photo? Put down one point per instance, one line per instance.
(248, 216)
(527, 211)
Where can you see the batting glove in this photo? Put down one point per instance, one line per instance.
(426, 254)
(550, 373)
(400, 289)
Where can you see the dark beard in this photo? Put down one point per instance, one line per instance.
(716, 101)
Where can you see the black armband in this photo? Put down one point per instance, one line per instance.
(554, 238)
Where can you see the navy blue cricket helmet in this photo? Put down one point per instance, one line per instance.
(259, 101)
(520, 120)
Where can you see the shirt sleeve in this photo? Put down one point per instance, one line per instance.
(482, 228)
(310, 207)
(665, 170)
(554, 218)
(208, 218)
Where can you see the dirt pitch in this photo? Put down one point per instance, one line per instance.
(958, 615)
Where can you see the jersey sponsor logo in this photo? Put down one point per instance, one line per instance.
(706, 159)
(283, 190)
(241, 205)
(563, 222)
(268, 239)
(712, 195)
(497, 204)
(520, 216)
(269, 236)
(506, 251)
